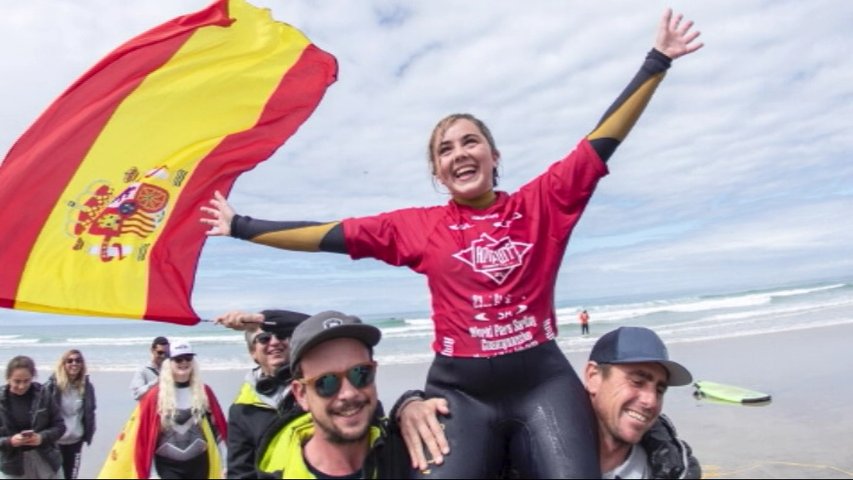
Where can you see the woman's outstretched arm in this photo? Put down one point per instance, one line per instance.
(287, 235)
(674, 39)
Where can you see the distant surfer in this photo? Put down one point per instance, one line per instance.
(583, 318)
(491, 259)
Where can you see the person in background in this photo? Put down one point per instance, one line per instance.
(147, 376)
(262, 395)
(30, 424)
(75, 394)
(182, 429)
(583, 318)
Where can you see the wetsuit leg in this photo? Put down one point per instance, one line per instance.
(529, 406)
(477, 449)
(554, 433)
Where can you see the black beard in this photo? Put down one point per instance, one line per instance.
(334, 437)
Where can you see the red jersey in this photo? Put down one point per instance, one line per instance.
(491, 272)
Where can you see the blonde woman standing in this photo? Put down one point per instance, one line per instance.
(75, 394)
(182, 429)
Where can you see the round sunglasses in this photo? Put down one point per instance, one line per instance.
(328, 384)
(73, 360)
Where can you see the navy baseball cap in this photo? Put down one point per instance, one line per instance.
(638, 345)
(326, 326)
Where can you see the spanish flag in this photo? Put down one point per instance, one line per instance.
(99, 199)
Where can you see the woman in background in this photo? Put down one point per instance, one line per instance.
(75, 395)
(30, 424)
(182, 429)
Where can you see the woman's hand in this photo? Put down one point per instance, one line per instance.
(220, 214)
(33, 440)
(674, 38)
(20, 440)
(17, 440)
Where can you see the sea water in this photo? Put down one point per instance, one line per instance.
(123, 345)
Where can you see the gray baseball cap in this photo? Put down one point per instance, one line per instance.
(326, 326)
(638, 345)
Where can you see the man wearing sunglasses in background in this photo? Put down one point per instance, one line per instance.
(265, 391)
(149, 375)
(341, 436)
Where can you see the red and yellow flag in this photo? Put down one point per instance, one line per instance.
(100, 198)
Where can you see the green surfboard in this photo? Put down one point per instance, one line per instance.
(730, 393)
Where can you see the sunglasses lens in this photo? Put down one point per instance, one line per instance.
(263, 338)
(73, 360)
(361, 376)
(327, 385)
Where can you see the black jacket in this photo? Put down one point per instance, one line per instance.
(669, 456)
(89, 405)
(248, 419)
(46, 421)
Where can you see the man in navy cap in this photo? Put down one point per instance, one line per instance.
(627, 375)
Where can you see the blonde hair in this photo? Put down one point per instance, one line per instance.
(166, 398)
(62, 380)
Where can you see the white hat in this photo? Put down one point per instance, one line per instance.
(180, 347)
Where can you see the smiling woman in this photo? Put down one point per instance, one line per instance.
(181, 429)
(491, 259)
(75, 395)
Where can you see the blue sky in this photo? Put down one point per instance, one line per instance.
(737, 176)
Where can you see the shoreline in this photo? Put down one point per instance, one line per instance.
(803, 432)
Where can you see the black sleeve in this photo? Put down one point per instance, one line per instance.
(290, 235)
(618, 120)
(669, 456)
(56, 425)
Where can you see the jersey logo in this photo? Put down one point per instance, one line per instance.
(495, 259)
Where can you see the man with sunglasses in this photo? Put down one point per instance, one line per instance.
(265, 390)
(147, 376)
(341, 436)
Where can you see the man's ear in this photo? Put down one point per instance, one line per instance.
(299, 390)
(592, 377)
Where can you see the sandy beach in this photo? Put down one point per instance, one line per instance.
(803, 433)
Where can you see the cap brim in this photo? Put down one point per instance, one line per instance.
(678, 375)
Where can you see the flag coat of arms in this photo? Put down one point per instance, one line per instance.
(101, 195)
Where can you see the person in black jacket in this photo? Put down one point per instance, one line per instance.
(30, 424)
(265, 393)
(76, 397)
